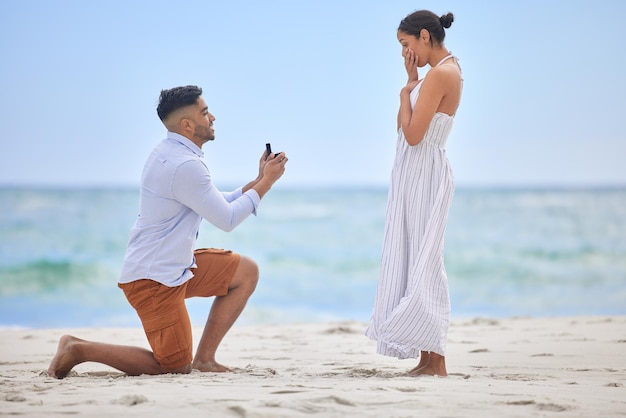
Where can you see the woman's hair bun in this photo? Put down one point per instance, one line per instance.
(446, 20)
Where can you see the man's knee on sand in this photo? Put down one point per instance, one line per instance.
(186, 369)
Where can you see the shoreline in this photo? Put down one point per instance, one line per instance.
(547, 366)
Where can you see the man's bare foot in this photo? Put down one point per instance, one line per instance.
(210, 366)
(65, 357)
(435, 366)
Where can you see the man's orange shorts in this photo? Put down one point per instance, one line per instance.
(162, 309)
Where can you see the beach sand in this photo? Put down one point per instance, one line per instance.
(517, 367)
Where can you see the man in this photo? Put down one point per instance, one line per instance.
(161, 268)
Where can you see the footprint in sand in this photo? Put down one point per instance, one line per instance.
(130, 400)
(14, 397)
(340, 330)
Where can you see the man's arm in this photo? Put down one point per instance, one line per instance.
(194, 188)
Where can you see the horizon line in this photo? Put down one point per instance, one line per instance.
(331, 186)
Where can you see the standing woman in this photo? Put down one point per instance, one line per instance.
(412, 308)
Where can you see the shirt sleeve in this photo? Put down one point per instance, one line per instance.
(235, 194)
(193, 187)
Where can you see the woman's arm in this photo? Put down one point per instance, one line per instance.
(415, 122)
(410, 65)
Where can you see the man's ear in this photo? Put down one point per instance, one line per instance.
(185, 125)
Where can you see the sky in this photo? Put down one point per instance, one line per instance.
(543, 99)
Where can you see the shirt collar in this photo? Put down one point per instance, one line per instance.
(186, 142)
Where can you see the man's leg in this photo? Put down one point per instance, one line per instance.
(130, 360)
(224, 312)
(158, 304)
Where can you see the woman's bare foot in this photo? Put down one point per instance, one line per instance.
(424, 357)
(210, 366)
(65, 358)
(435, 366)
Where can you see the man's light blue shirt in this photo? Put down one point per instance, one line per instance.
(176, 194)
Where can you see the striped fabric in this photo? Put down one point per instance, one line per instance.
(412, 307)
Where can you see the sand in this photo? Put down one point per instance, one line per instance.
(517, 367)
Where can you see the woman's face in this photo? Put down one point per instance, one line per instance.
(412, 43)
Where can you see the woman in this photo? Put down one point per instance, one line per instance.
(412, 308)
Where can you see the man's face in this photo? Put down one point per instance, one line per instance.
(203, 122)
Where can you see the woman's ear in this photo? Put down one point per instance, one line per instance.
(425, 35)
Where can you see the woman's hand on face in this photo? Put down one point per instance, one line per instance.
(410, 64)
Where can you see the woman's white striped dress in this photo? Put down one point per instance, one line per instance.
(412, 308)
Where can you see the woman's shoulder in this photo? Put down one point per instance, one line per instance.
(442, 76)
(442, 72)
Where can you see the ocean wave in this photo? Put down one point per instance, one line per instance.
(43, 276)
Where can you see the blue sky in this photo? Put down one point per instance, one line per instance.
(543, 101)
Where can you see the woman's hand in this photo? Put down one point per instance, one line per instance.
(410, 64)
(406, 90)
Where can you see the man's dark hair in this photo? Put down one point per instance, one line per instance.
(173, 99)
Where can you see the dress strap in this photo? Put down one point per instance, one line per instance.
(445, 58)
(455, 60)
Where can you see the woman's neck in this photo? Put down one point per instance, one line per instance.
(437, 55)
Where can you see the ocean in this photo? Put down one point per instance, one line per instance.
(509, 252)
